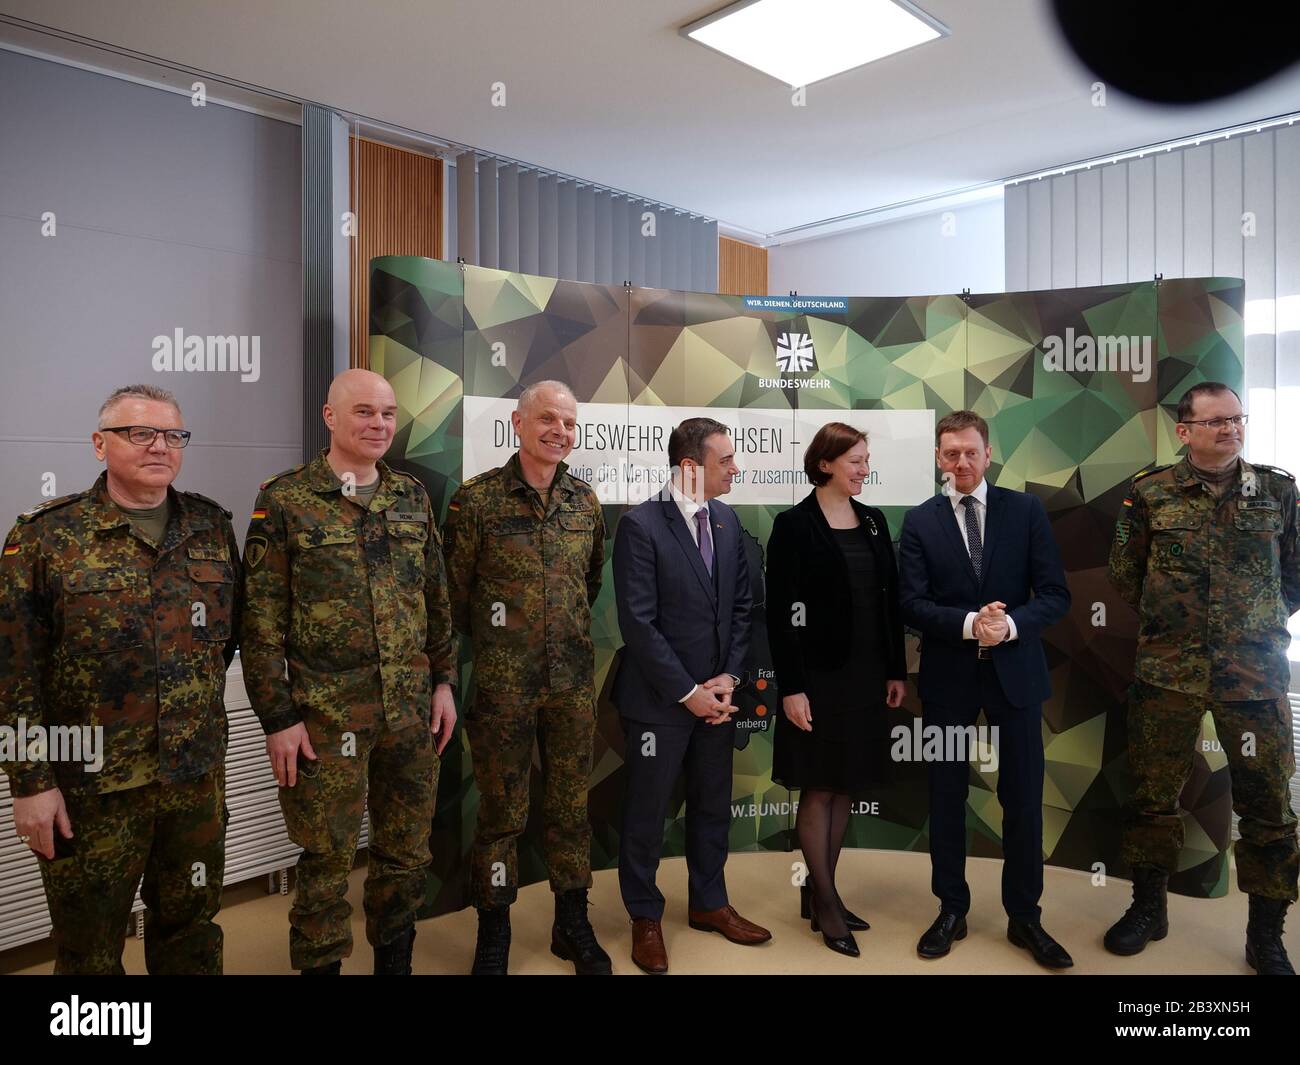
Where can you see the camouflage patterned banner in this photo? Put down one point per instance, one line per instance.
(1078, 386)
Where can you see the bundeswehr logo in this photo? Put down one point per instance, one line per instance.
(795, 354)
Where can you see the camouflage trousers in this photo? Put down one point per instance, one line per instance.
(171, 834)
(1256, 736)
(502, 728)
(395, 773)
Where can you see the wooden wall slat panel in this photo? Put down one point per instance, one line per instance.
(396, 196)
(742, 268)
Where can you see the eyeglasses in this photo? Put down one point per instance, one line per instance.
(145, 435)
(1218, 424)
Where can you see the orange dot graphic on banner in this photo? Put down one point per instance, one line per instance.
(761, 711)
(760, 684)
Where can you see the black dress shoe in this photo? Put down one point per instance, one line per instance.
(939, 937)
(1046, 951)
(852, 921)
(855, 923)
(844, 944)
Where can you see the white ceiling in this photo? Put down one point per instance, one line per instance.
(609, 91)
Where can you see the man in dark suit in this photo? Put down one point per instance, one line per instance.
(682, 586)
(980, 576)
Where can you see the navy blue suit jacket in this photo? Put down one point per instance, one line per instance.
(680, 626)
(937, 587)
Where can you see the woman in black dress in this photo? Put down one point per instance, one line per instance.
(836, 634)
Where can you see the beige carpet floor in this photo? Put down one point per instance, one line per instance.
(890, 889)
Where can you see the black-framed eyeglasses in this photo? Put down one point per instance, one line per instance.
(145, 435)
(1237, 421)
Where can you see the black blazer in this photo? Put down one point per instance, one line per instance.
(680, 627)
(1022, 568)
(805, 565)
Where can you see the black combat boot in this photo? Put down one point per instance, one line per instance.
(1147, 917)
(394, 958)
(1264, 949)
(572, 937)
(332, 969)
(492, 952)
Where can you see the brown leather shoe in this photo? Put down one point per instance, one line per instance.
(648, 951)
(729, 923)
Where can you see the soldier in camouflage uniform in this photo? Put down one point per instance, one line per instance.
(1206, 552)
(525, 547)
(344, 581)
(119, 610)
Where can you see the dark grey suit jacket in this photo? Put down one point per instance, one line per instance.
(680, 626)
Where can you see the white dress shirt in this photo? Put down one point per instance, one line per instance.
(688, 506)
(981, 505)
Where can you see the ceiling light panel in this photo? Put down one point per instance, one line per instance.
(801, 42)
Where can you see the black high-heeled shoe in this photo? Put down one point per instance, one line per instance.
(855, 923)
(844, 944)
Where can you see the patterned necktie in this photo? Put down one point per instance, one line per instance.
(706, 542)
(973, 535)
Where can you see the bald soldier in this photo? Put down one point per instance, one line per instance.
(348, 662)
(119, 608)
(525, 547)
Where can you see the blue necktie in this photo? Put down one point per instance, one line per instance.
(973, 535)
(706, 542)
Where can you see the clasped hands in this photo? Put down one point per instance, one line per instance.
(712, 700)
(991, 626)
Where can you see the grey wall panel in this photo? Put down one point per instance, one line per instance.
(710, 243)
(1198, 212)
(489, 227)
(1040, 221)
(669, 222)
(618, 229)
(450, 211)
(342, 271)
(1169, 214)
(1016, 245)
(652, 235)
(132, 290)
(567, 195)
(1258, 191)
(508, 216)
(548, 226)
(603, 258)
(318, 272)
(467, 208)
(635, 242)
(700, 259)
(99, 151)
(1286, 147)
(685, 227)
(1259, 258)
(83, 306)
(1141, 218)
(586, 227)
(1114, 224)
(1087, 227)
(1228, 193)
(1063, 232)
(528, 222)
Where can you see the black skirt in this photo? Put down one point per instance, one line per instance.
(848, 748)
